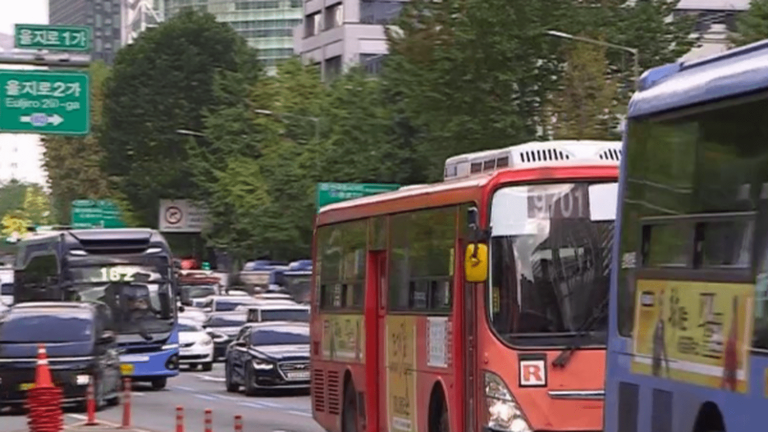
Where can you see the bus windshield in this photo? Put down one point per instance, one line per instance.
(298, 287)
(140, 297)
(550, 261)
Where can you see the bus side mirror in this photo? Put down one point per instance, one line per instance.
(476, 262)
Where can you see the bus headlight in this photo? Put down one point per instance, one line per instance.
(503, 412)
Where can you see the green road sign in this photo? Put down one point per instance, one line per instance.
(54, 38)
(329, 193)
(96, 214)
(45, 102)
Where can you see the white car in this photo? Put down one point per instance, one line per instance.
(193, 314)
(195, 345)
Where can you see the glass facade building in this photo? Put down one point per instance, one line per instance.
(267, 25)
(104, 16)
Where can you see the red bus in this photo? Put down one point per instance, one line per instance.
(475, 304)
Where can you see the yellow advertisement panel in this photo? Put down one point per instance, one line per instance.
(344, 338)
(696, 332)
(401, 373)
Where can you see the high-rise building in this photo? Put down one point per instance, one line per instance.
(266, 24)
(340, 33)
(104, 16)
(139, 15)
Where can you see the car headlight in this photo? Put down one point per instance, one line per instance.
(82, 380)
(261, 364)
(503, 412)
(206, 342)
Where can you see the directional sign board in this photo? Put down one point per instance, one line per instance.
(45, 102)
(96, 214)
(329, 193)
(54, 38)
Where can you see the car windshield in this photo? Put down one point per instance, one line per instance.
(550, 261)
(198, 291)
(298, 287)
(229, 321)
(45, 327)
(189, 327)
(229, 305)
(139, 297)
(280, 337)
(285, 315)
(6, 289)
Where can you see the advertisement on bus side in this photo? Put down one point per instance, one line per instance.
(401, 373)
(695, 332)
(344, 338)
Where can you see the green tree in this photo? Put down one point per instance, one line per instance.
(161, 83)
(73, 164)
(583, 108)
(37, 206)
(12, 196)
(752, 26)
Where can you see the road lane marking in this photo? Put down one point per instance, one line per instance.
(103, 422)
(206, 397)
(229, 398)
(252, 405)
(301, 413)
(210, 378)
(273, 405)
(183, 388)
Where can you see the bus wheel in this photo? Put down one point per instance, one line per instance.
(159, 383)
(349, 412)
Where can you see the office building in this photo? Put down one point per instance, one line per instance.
(103, 16)
(715, 21)
(21, 155)
(139, 15)
(339, 33)
(266, 24)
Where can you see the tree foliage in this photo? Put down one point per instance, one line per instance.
(162, 83)
(752, 26)
(73, 164)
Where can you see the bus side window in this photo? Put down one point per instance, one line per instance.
(39, 272)
(760, 339)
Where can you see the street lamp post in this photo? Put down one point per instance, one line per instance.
(635, 53)
(280, 115)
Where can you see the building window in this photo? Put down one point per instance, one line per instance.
(379, 11)
(295, 3)
(334, 16)
(313, 25)
(250, 5)
(332, 68)
(98, 21)
(372, 63)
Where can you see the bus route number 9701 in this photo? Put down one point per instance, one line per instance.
(550, 202)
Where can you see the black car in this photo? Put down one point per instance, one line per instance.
(273, 355)
(81, 349)
(223, 328)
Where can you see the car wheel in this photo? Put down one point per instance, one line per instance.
(231, 386)
(207, 367)
(250, 389)
(159, 383)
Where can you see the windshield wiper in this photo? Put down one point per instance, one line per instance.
(582, 331)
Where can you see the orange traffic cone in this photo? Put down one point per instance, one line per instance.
(43, 371)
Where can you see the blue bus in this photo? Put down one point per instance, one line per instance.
(128, 270)
(295, 279)
(688, 341)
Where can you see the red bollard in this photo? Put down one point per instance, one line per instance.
(238, 423)
(208, 420)
(126, 403)
(179, 419)
(90, 405)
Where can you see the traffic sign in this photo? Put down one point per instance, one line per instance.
(45, 102)
(54, 38)
(329, 193)
(88, 213)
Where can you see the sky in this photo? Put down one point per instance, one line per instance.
(22, 12)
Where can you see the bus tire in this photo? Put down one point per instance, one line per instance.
(349, 410)
(159, 383)
(438, 411)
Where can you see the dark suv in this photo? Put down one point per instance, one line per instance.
(81, 349)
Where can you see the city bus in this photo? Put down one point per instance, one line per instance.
(688, 333)
(128, 270)
(475, 304)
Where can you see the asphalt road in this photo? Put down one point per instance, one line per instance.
(196, 391)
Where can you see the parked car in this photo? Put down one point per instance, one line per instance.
(272, 355)
(223, 327)
(195, 345)
(80, 348)
(225, 303)
(277, 312)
